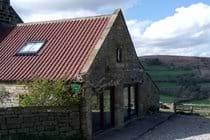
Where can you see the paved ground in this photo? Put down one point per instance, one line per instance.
(181, 127)
(134, 130)
(162, 126)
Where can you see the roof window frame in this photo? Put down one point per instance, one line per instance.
(30, 53)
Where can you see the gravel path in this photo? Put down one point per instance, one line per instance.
(181, 127)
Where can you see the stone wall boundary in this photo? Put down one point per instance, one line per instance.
(42, 121)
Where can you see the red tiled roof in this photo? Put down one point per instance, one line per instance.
(68, 46)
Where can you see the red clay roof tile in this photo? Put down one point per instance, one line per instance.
(68, 46)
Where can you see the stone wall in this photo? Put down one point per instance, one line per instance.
(42, 121)
(14, 91)
(149, 94)
(8, 14)
(106, 71)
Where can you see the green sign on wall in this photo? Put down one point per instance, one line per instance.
(75, 88)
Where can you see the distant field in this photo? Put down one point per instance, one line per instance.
(155, 67)
(202, 101)
(165, 71)
(167, 75)
(170, 72)
(170, 99)
(166, 84)
(166, 99)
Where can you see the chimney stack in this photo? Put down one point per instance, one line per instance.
(8, 14)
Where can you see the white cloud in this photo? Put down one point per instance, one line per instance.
(36, 10)
(58, 15)
(137, 29)
(52, 5)
(187, 32)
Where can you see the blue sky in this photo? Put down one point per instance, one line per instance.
(157, 27)
(157, 9)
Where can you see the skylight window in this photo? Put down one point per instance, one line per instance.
(31, 47)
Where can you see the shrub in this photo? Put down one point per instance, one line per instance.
(43, 92)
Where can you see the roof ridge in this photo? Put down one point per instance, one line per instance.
(64, 20)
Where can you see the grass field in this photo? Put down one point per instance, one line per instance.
(166, 99)
(170, 99)
(202, 101)
(166, 84)
(167, 75)
(155, 67)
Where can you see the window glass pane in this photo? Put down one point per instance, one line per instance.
(36, 47)
(26, 48)
(31, 47)
(119, 55)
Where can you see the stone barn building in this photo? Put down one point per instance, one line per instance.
(95, 52)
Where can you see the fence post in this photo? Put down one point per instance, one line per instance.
(191, 109)
(174, 107)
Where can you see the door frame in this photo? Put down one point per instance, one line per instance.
(112, 106)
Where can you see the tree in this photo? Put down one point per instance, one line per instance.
(189, 87)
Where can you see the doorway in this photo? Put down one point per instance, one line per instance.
(102, 106)
(130, 101)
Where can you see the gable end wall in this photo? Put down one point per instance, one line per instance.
(105, 68)
(105, 71)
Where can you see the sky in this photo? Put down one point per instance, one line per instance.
(157, 27)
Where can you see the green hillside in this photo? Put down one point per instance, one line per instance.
(179, 77)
